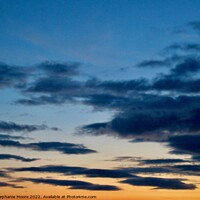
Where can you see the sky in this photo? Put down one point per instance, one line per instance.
(100, 99)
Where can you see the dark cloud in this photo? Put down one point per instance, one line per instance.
(175, 84)
(92, 92)
(160, 183)
(195, 25)
(43, 100)
(145, 103)
(106, 101)
(180, 79)
(12, 137)
(65, 148)
(188, 66)
(95, 129)
(169, 83)
(154, 63)
(152, 138)
(153, 118)
(11, 143)
(123, 102)
(130, 125)
(196, 158)
(13, 127)
(12, 76)
(4, 184)
(166, 167)
(53, 68)
(188, 168)
(166, 61)
(3, 174)
(106, 173)
(194, 47)
(15, 157)
(149, 170)
(149, 115)
(124, 86)
(56, 85)
(113, 173)
(115, 95)
(67, 170)
(18, 76)
(185, 144)
(161, 109)
(71, 170)
(73, 184)
(119, 173)
(138, 124)
(126, 159)
(161, 161)
(99, 94)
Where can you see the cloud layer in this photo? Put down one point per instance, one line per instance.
(129, 175)
(164, 108)
(73, 170)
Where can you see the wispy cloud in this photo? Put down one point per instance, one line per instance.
(65, 148)
(13, 127)
(73, 170)
(53, 68)
(126, 159)
(184, 47)
(73, 184)
(157, 183)
(15, 157)
(160, 183)
(5, 184)
(162, 161)
(12, 137)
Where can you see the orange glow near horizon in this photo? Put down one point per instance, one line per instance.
(128, 193)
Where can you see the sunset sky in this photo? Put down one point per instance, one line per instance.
(100, 98)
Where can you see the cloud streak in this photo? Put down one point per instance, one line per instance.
(160, 183)
(65, 148)
(13, 127)
(15, 157)
(53, 68)
(73, 184)
(72, 170)
(10, 137)
(161, 161)
(4, 184)
(128, 173)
